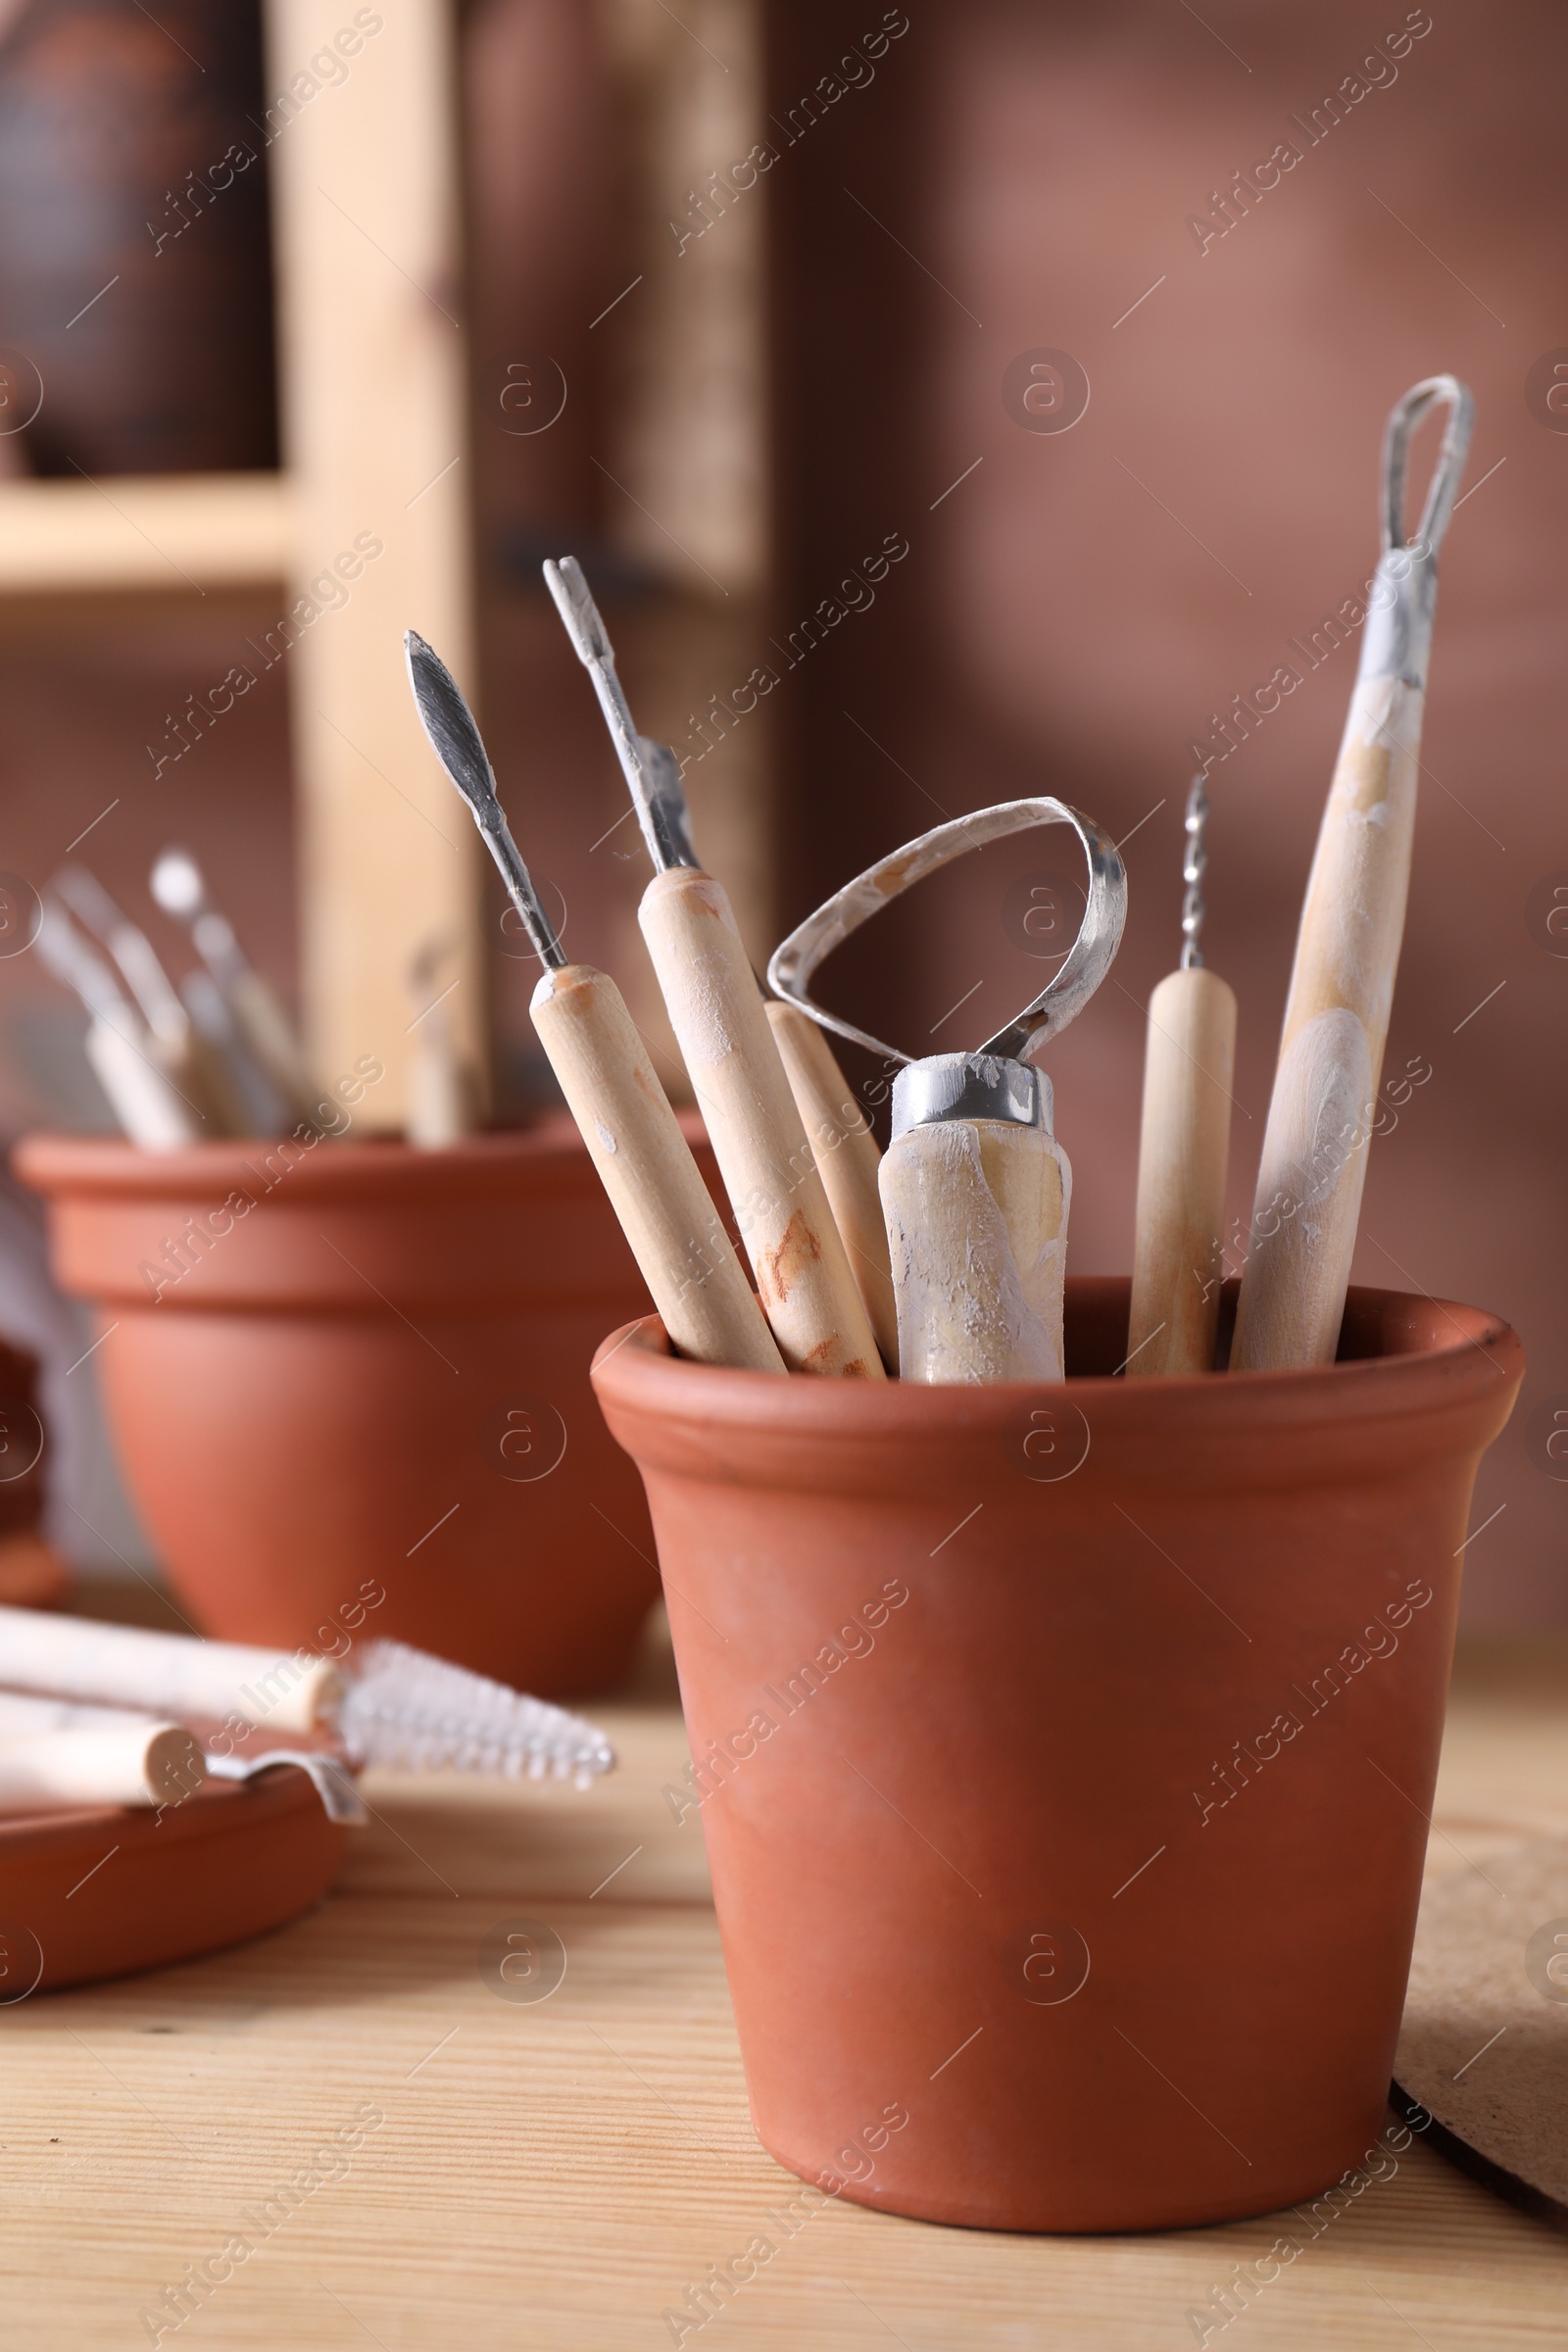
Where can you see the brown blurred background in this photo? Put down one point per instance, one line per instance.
(833, 367)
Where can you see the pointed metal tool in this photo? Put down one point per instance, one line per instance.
(633, 1137)
(650, 768)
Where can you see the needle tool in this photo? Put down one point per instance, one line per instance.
(975, 1188)
(809, 1294)
(1189, 1063)
(633, 1137)
(1321, 1113)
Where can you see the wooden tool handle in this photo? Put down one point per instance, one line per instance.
(977, 1230)
(167, 1674)
(133, 1763)
(147, 1105)
(1188, 1067)
(1320, 1117)
(265, 1029)
(803, 1272)
(645, 1164)
(848, 1158)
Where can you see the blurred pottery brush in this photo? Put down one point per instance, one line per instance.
(174, 1041)
(1189, 1063)
(179, 886)
(120, 1050)
(804, 1277)
(633, 1137)
(1347, 951)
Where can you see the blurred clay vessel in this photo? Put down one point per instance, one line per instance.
(135, 275)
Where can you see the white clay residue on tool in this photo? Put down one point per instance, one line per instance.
(707, 1034)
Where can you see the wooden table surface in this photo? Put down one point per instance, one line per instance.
(559, 2175)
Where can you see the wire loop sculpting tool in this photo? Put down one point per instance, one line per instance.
(812, 1296)
(1185, 1141)
(633, 1135)
(975, 1189)
(1324, 1102)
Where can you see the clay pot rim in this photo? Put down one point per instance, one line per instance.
(378, 1167)
(682, 1412)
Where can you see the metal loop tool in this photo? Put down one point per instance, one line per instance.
(1405, 588)
(795, 960)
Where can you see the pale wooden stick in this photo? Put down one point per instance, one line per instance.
(643, 1162)
(167, 1674)
(54, 1756)
(803, 1273)
(977, 1226)
(848, 1158)
(1320, 1118)
(1188, 1068)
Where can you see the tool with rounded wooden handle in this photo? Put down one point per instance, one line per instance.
(54, 1757)
(976, 1208)
(1324, 1102)
(803, 1272)
(848, 1158)
(1182, 1148)
(211, 1680)
(655, 1187)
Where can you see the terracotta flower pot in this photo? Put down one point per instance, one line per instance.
(373, 1372)
(1064, 1755)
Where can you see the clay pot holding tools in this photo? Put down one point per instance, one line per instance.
(360, 1365)
(1064, 1752)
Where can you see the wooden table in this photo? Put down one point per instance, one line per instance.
(560, 2174)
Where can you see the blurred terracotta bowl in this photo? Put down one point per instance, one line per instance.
(348, 1386)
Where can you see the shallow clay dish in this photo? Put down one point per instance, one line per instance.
(106, 1892)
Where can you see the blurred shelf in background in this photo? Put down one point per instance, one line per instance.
(141, 531)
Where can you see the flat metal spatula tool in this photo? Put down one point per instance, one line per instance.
(975, 1188)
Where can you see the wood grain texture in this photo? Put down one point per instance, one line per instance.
(781, 1211)
(977, 1233)
(1182, 1145)
(848, 1158)
(645, 1166)
(1313, 1164)
(560, 2174)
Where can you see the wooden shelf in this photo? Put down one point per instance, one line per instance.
(183, 532)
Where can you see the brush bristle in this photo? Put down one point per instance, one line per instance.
(409, 1710)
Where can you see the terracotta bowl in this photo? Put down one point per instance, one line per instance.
(1064, 1754)
(363, 1368)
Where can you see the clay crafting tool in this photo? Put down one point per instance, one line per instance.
(439, 1084)
(807, 1289)
(843, 1144)
(633, 1135)
(386, 1704)
(55, 1756)
(148, 1106)
(179, 886)
(172, 1041)
(1189, 1063)
(975, 1189)
(1347, 951)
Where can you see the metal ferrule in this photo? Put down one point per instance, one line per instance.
(1396, 640)
(970, 1086)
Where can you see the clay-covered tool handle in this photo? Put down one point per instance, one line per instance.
(1324, 1103)
(1185, 1141)
(976, 1211)
(848, 1158)
(808, 1291)
(655, 1187)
